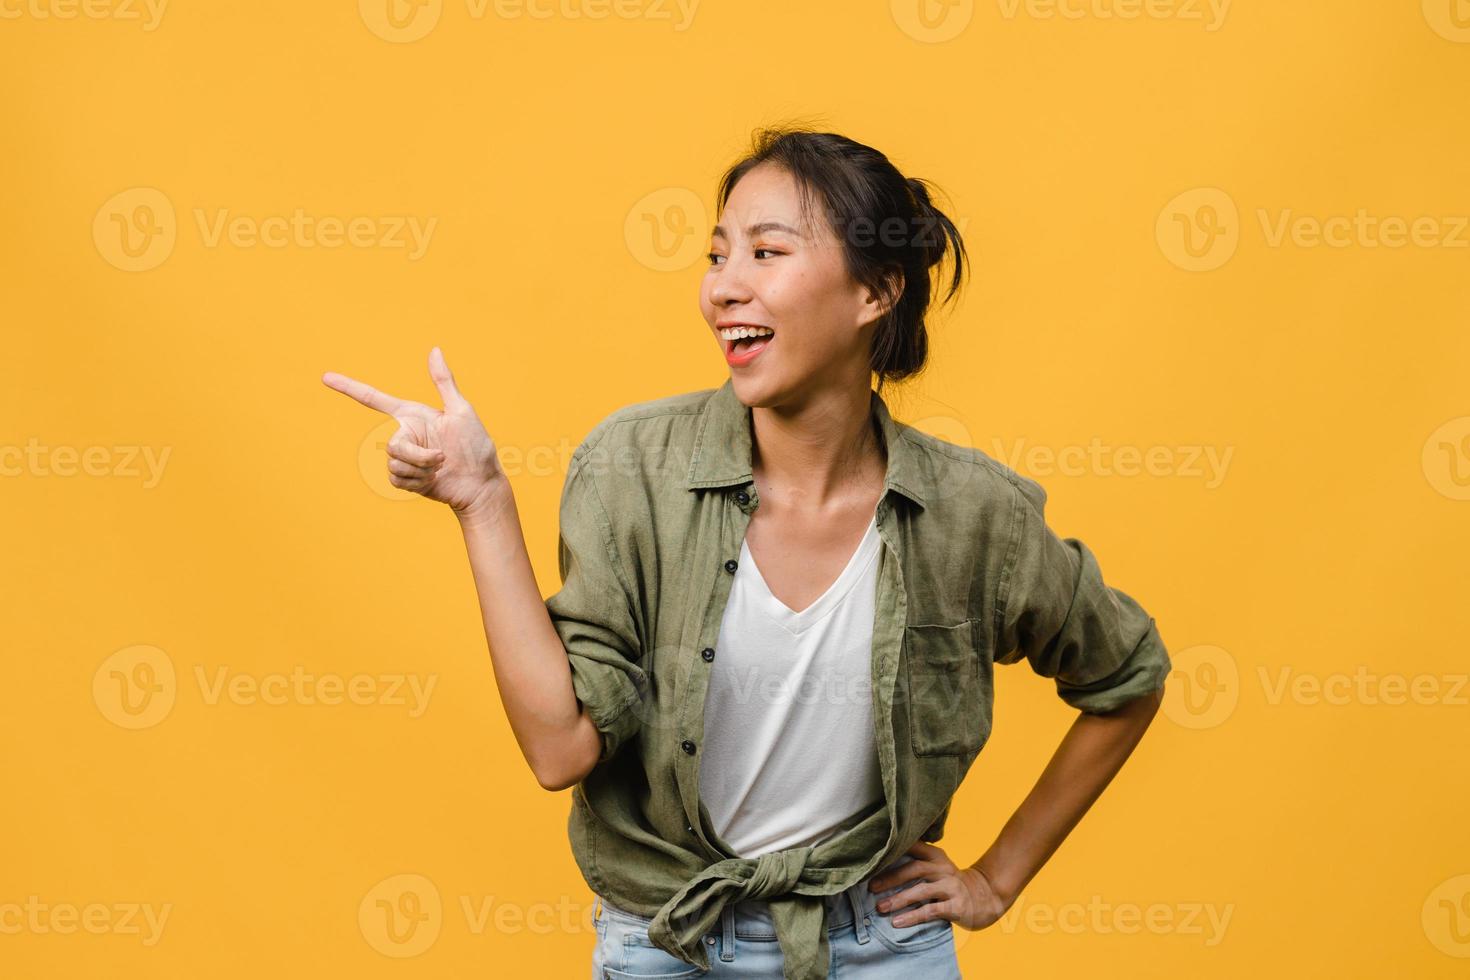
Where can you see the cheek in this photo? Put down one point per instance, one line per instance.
(788, 294)
(806, 296)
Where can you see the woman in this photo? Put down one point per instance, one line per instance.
(725, 548)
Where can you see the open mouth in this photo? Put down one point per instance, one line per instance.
(743, 342)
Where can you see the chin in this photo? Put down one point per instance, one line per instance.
(753, 392)
(769, 391)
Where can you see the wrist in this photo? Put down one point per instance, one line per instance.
(488, 502)
(1006, 887)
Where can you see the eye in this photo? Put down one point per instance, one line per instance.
(714, 257)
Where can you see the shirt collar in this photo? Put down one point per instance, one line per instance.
(722, 447)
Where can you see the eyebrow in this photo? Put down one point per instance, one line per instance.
(757, 229)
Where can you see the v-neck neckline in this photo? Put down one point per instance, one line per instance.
(796, 621)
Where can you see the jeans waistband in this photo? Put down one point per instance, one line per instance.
(752, 919)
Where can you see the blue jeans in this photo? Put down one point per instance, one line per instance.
(864, 943)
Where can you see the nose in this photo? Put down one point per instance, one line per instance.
(730, 286)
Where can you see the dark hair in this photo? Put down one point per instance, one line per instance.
(890, 230)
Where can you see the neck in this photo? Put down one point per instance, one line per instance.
(819, 453)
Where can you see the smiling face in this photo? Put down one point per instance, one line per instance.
(770, 268)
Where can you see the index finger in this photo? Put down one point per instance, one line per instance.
(367, 394)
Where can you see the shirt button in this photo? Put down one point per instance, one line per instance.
(688, 746)
(742, 496)
(730, 564)
(707, 653)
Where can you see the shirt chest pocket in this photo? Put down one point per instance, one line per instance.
(949, 697)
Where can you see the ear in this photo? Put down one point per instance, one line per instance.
(877, 304)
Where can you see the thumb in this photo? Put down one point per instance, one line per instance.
(444, 381)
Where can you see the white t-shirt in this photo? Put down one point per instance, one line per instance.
(789, 751)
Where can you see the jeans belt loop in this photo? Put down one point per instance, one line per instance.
(859, 921)
(727, 924)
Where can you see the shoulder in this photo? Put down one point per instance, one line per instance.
(653, 433)
(981, 478)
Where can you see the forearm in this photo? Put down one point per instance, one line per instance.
(1089, 756)
(558, 740)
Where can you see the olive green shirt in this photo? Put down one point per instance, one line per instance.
(655, 507)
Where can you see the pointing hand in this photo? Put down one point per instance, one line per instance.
(442, 454)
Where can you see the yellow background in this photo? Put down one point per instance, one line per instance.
(1325, 833)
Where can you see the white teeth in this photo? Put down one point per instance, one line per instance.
(735, 333)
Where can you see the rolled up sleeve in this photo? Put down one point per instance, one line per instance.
(594, 613)
(1100, 645)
